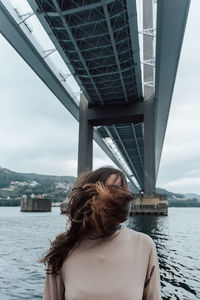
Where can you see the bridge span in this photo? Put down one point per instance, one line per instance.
(126, 73)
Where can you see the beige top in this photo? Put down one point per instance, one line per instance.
(122, 267)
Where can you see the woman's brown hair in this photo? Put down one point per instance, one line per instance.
(94, 211)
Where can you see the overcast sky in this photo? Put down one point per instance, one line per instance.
(37, 134)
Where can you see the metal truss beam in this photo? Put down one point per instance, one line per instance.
(77, 48)
(79, 9)
(100, 66)
(95, 22)
(28, 48)
(104, 87)
(96, 47)
(110, 30)
(137, 146)
(130, 163)
(86, 38)
(89, 37)
(54, 40)
(119, 114)
(132, 17)
(24, 17)
(148, 60)
(148, 31)
(31, 52)
(124, 52)
(97, 58)
(109, 73)
(124, 169)
(110, 80)
(92, 36)
(168, 49)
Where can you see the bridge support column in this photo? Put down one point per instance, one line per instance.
(150, 203)
(85, 143)
(149, 148)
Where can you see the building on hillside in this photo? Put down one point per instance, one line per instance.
(35, 204)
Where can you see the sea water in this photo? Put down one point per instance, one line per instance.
(24, 238)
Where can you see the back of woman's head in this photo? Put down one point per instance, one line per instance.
(98, 208)
(101, 175)
(98, 202)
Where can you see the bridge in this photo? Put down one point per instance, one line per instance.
(126, 76)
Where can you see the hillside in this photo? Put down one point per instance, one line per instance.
(192, 195)
(170, 195)
(13, 185)
(7, 176)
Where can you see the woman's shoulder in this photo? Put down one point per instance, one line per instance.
(140, 237)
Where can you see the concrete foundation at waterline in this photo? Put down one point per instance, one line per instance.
(149, 205)
(63, 206)
(35, 205)
(141, 205)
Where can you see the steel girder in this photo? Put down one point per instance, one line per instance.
(108, 39)
(171, 22)
(99, 47)
(27, 47)
(104, 54)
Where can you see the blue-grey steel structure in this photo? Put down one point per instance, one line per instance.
(100, 44)
(98, 40)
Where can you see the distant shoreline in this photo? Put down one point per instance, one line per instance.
(194, 206)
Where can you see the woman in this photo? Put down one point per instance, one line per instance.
(97, 258)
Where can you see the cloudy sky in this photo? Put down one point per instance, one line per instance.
(37, 134)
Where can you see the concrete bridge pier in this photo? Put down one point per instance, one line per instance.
(90, 116)
(85, 142)
(150, 202)
(149, 147)
(143, 204)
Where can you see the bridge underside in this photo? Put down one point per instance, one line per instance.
(98, 41)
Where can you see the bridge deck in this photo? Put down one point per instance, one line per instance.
(98, 45)
(99, 42)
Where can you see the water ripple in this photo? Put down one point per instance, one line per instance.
(24, 239)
